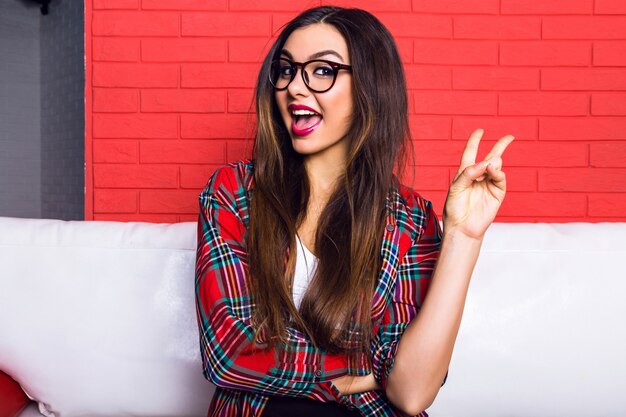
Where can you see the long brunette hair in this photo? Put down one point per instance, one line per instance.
(335, 310)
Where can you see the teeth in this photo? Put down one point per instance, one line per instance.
(303, 113)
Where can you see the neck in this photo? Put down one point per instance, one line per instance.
(323, 171)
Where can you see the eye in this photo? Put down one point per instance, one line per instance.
(285, 70)
(323, 70)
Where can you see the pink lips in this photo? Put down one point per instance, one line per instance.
(302, 132)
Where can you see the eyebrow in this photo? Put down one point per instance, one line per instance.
(315, 55)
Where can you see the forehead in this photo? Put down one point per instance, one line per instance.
(304, 42)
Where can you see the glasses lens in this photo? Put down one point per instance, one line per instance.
(281, 73)
(319, 75)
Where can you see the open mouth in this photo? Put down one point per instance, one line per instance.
(304, 121)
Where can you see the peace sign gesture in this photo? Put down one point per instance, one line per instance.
(477, 190)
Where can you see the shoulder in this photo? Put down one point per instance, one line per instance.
(234, 177)
(229, 184)
(411, 211)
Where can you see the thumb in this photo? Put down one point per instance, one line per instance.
(471, 173)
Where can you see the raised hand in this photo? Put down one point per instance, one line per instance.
(477, 190)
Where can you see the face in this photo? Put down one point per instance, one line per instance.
(324, 134)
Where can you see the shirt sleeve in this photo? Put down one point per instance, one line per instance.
(412, 283)
(231, 358)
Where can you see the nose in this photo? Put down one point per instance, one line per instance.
(297, 85)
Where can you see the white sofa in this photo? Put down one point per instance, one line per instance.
(98, 318)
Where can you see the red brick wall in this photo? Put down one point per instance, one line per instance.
(170, 84)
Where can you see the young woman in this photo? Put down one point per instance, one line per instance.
(313, 260)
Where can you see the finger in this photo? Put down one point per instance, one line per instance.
(500, 146)
(471, 150)
(496, 162)
(471, 173)
(497, 177)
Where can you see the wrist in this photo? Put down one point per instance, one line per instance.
(456, 235)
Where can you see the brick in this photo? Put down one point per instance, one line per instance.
(546, 154)
(584, 27)
(543, 104)
(219, 75)
(134, 75)
(583, 179)
(241, 101)
(183, 100)
(455, 102)
(438, 153)
(116, 4)
(543, 204)
(545, 53)
(607, 205)
(428, 77)
(200, 5)
(183, 50)
(525, 155)
(609, 53)
(430, 127)
(583, 79)
(427, 178)
(371, 5)
(608, 154)
(405, 49)
(226, 24)
(248, 49)
(495, 78)
(411, 104)
(110, 23)
(269, 5)
(196, 176)
(135, 126)
(166, 202)
(608, 104)
(115, 151)
(448, 153)
(596, 128)
(188, 218)
(546, 7)
(497, 27)
(519, 179)
(217, 126)
(115, 100)
(455, 52)
(115, 49)
(114, 201)
(610, 7)
(416, 26)
(134, 176)
(542, 219)
(130, 217)
(238, 149)
(494, 128)
(456, 6)
(279, 20)
(182, 151)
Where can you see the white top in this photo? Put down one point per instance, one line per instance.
(306, 263)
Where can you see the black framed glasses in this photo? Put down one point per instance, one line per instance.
(319, 75)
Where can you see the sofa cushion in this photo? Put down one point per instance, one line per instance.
(98, 318)
(13, 399)
(542, 330)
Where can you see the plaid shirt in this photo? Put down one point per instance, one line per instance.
(245, 373)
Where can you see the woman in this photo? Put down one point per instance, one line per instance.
(313, 261)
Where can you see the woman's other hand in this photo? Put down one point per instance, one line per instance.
(477, 190)
(350, 384)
